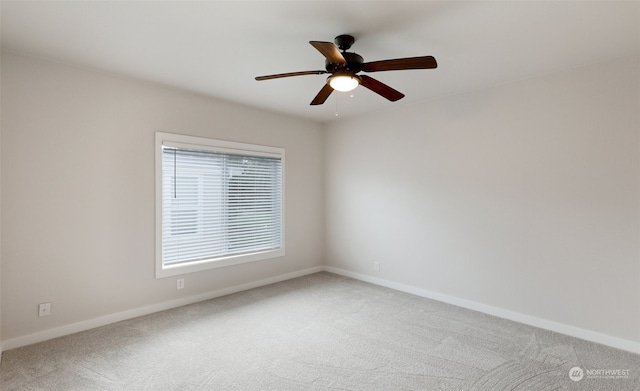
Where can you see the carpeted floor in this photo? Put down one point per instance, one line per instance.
(318, 332)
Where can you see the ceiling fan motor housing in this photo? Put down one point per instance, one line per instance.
(354, 63)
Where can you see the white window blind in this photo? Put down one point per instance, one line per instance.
(218, 203)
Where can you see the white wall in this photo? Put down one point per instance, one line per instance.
(0, 204)
(78, 191)
(524, 196)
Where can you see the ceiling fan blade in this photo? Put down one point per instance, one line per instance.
(380, 88)
(322, 95)
(329, 51)
(398, 64)
(279, 75)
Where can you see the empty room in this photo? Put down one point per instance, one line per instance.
(320, 195)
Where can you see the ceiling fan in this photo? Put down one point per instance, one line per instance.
(344, 66)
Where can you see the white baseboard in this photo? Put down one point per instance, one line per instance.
(618, 343)
(577, 332)
(136, 312)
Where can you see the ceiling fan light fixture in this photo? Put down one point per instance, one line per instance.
(344, 66)
(343, 83)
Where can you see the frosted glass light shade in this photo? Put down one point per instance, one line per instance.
(343, 83)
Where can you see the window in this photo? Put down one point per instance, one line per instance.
(218, 203)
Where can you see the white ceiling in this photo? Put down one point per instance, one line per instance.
(218, 47)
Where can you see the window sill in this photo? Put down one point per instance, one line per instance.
(207, 264)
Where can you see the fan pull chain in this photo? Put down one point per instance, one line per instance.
(337, 105)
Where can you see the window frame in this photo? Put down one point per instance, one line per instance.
(206, 144)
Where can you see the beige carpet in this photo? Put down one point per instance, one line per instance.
(319, 332)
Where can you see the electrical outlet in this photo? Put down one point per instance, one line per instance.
(376, 266)
(180, 283)
(44, 309)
